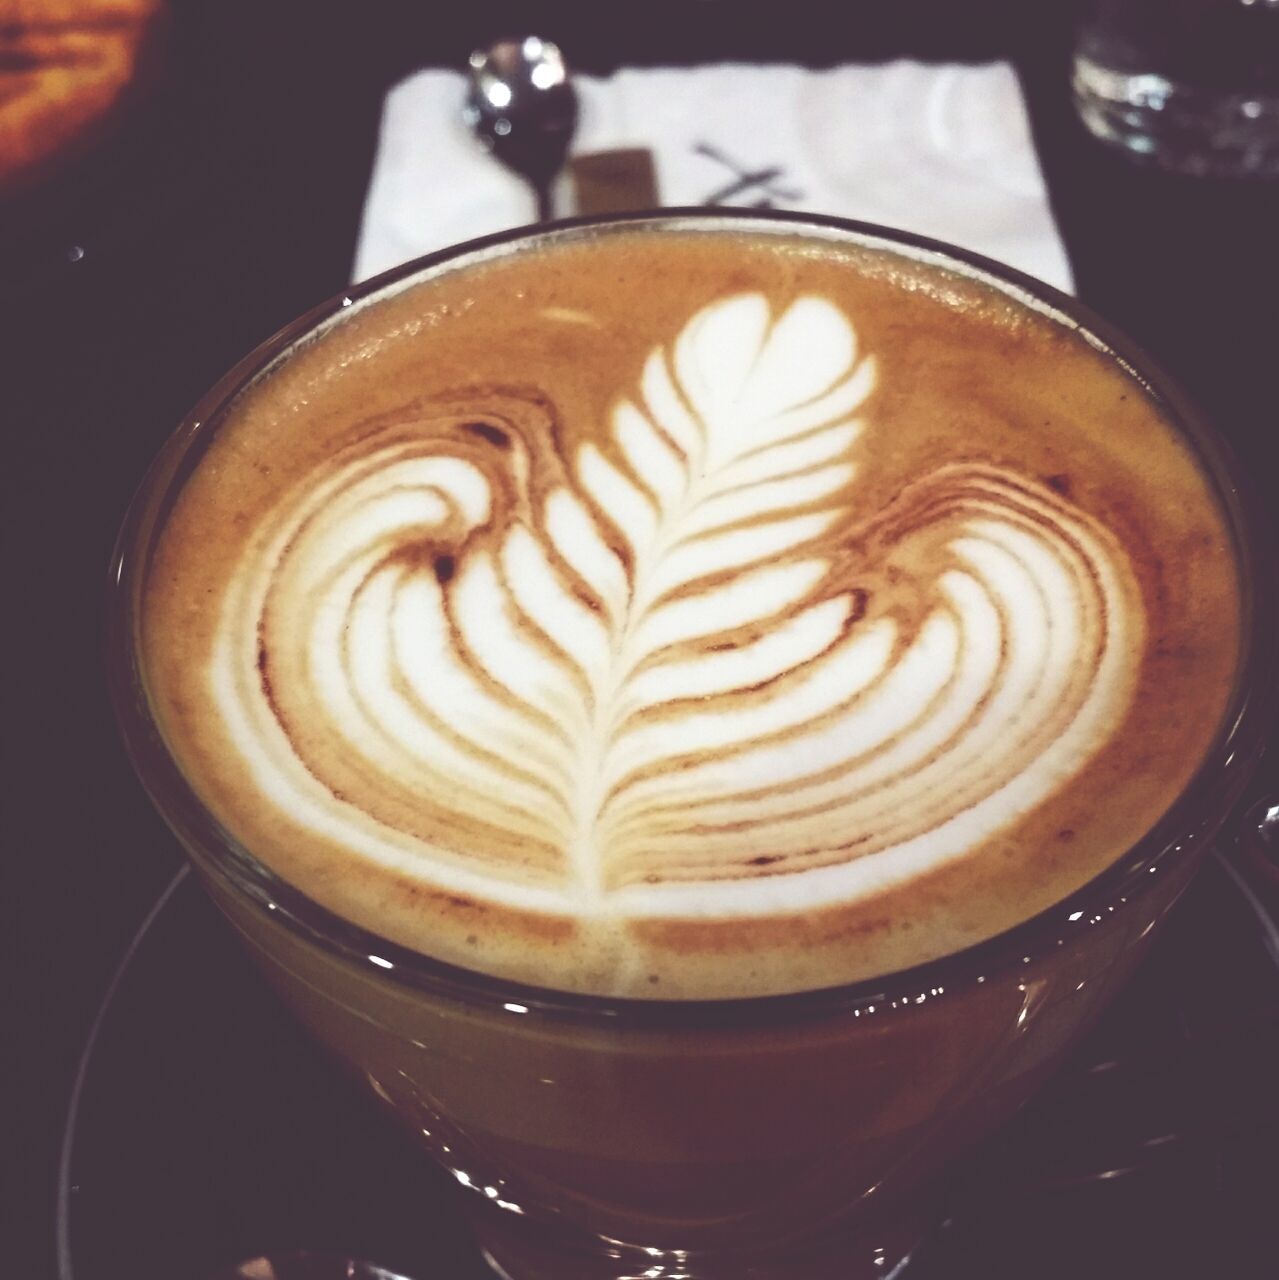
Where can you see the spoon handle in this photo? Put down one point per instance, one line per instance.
(545, 205)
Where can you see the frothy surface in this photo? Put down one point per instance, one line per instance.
(692, 615)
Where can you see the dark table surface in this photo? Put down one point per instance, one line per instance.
(229, 204)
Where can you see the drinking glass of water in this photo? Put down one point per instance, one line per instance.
(1189, 85)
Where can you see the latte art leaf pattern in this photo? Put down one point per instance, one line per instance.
(677, 671)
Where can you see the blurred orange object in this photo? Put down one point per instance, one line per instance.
(68, 70)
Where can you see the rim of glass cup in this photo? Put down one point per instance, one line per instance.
(1200, 809)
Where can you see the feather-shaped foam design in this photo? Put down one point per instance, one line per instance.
(678, 670)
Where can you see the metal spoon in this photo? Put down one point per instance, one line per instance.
(523, 107)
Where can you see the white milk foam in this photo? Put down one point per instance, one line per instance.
(660, 678)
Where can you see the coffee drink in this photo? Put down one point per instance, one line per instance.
(683, 608)
(699, 614)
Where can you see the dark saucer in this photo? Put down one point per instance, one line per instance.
(206, 1129)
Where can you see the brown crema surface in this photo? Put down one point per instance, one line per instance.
(970, 442)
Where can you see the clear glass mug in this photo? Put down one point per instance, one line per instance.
(785, 1136)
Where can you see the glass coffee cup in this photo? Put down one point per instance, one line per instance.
(777, 1135)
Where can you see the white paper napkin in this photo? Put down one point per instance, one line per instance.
(940, 150)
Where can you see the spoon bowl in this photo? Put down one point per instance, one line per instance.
(522, 105)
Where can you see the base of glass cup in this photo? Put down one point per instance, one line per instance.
(1179, 127)
(875, 1248)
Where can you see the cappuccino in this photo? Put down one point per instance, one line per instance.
(693, 613)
